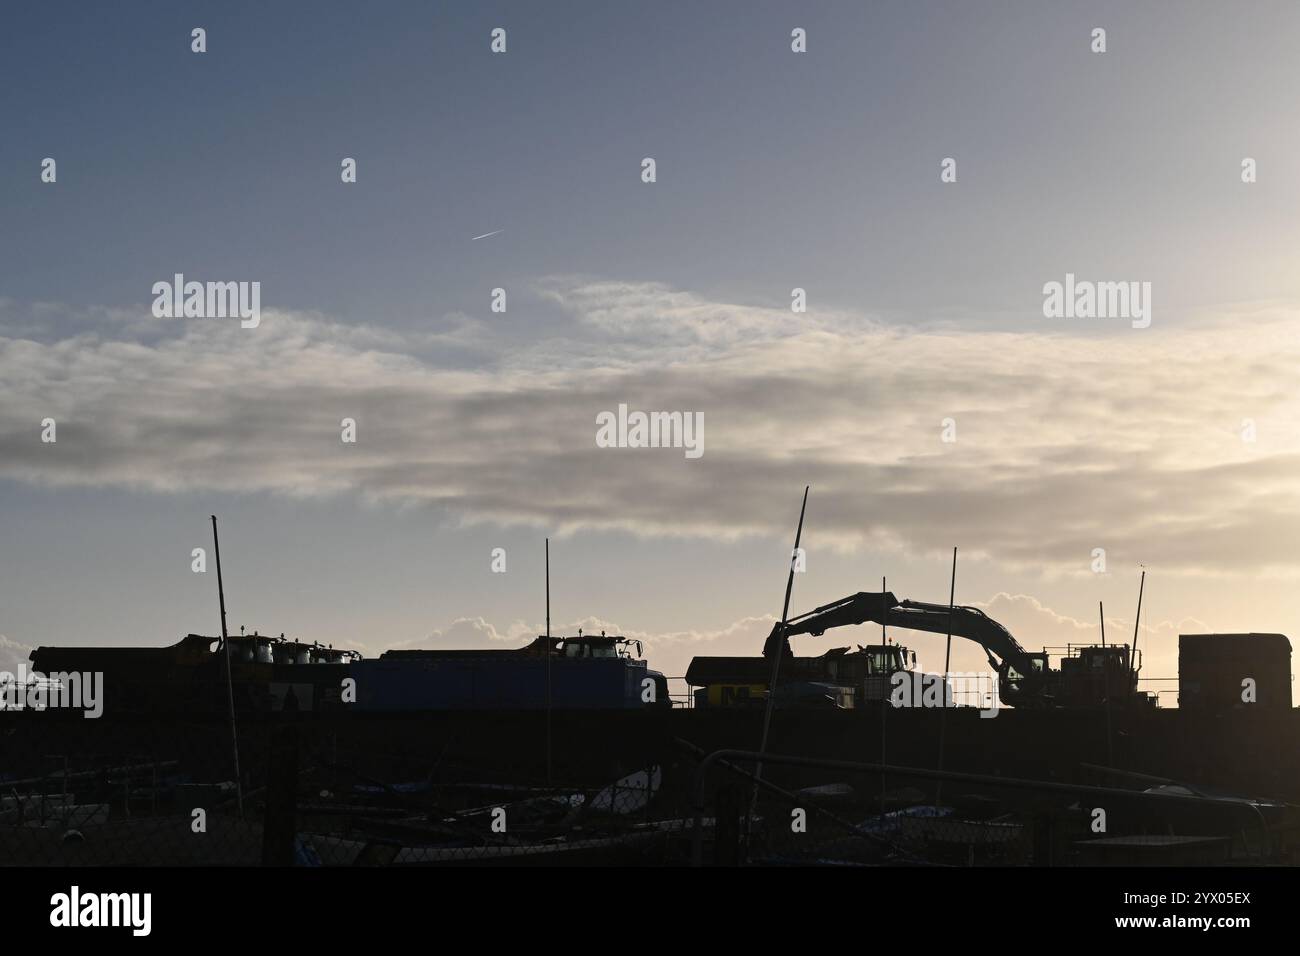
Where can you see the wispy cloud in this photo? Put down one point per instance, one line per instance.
(1129, 441)
(13, 654)
(668, 652)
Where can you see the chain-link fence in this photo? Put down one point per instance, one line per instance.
(776, 809)
(490, 789)
(152, 792)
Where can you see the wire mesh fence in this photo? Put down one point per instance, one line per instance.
(149, 793)
(776, 809)
(310, 792)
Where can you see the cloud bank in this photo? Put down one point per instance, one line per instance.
(1065, 441)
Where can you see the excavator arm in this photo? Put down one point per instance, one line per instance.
(1003, 651)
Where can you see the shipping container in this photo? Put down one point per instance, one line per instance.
(1232, 671)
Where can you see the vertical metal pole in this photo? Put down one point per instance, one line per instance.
(943, 690)
(1132, 659)
(230, 687)
(884, 691)
(1110, 752)
(776, 657)
(549, 649)
(280, 820)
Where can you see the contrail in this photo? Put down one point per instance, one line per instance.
(486, 234)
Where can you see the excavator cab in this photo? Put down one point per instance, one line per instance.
(1020, 688)
(1037, 664)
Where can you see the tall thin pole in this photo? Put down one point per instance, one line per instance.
(778, 651)
(549, 652)
(947, 660)
(230, 685)
(1132, 660)
(1110, 751)
(884, 690)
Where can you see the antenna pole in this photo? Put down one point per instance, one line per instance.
(549, 651)
(230, 686)
(1110, 751)
(947, 660)
(1132, 663)
(779, 651)
(884, 688)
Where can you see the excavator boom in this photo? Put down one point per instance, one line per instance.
(1021, 673)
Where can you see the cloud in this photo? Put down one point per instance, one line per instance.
(1124, 440)
(668, 652)
(468, 633)
(12, 654)
(674, 320)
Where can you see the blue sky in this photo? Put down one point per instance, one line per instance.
(775, 170)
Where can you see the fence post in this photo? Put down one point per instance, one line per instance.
(279, 826)
(726, 826)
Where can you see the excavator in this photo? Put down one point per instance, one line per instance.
(1088, 676)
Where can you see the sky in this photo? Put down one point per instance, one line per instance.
(1172, 447)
